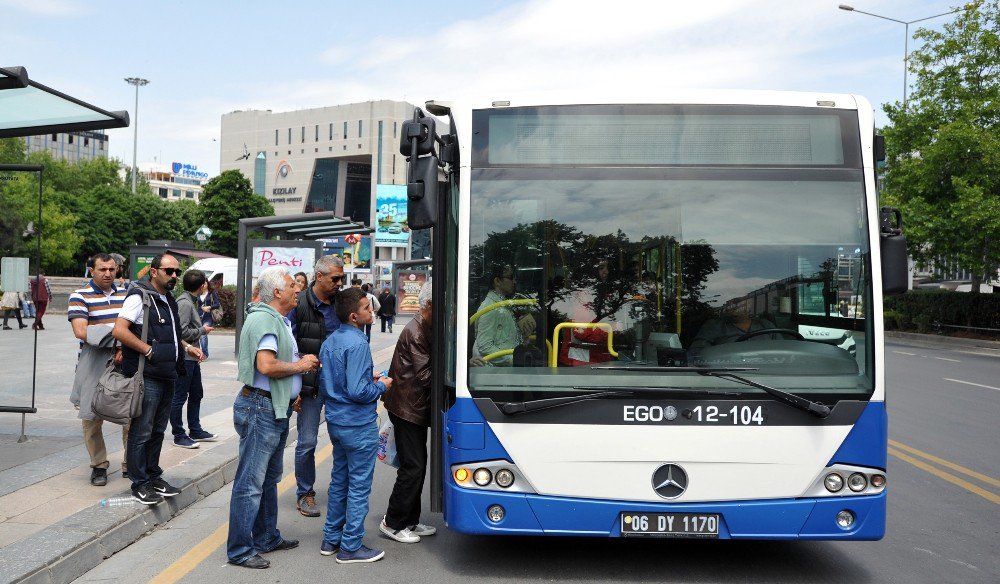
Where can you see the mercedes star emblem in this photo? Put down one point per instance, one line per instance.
(670, 481)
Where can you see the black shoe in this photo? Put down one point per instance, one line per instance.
(163, 488)
(24, 326)
(255, 561)
(286, 544)
(7, 328)
(99, 477)
(146, 495)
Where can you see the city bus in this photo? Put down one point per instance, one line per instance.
(619, 295)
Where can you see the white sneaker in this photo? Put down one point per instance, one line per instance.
(404, 535)
(423, 530)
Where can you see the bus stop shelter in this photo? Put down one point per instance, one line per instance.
(28, 108)
(293, 241)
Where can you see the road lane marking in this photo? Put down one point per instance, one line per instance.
(970, 383)
(993, 498)
(206, 547)
(947, 359)
(980, 354)
(943, 462)
(904, 353)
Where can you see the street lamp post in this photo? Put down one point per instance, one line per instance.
(906, 41)
(138, 82)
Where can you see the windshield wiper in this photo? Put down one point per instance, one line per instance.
(534, 405)
(814, 408)
(602, 392)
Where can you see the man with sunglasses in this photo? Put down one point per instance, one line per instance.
(313, 320)
(164, 351)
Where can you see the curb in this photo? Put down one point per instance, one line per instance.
(72, 547)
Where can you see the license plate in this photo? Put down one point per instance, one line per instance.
(702, 525)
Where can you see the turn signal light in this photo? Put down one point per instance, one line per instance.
(462, 475)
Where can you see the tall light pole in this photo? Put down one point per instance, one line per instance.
(138, 82)
(906, 41)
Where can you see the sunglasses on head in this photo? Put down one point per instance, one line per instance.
(170, 271)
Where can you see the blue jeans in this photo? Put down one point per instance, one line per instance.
(253, 507)
(305, 448)
(190, 389)
(350, 484)
(145, 436)
(387, 320)
(204, 345)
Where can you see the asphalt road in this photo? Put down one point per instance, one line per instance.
(943, 526)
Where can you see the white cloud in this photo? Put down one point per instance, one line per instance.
(62, 8)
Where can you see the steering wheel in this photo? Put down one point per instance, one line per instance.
(770, 331)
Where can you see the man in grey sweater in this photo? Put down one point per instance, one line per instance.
(188, 387)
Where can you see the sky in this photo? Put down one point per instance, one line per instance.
(207, 58)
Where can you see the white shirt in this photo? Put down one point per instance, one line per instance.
(132, 312)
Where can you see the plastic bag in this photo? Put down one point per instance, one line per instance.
(387, 445)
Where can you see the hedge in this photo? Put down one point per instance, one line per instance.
(227, 299)
(922, 309)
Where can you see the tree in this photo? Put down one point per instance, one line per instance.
(943, 147)
(225, 200)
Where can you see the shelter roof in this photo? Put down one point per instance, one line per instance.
(28, 108)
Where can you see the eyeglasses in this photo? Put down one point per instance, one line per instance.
(171, 271)
(337, 278)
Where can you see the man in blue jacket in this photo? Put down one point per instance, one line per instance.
(351, 394)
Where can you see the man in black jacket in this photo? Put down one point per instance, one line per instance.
(387, 308)
(164, 352)
(313, 320)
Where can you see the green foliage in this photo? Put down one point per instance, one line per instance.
(943, 149)
(225, 200)
(12, 150)
(920, 309)
(88, 208)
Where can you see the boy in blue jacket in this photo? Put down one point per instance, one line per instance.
(350, 393)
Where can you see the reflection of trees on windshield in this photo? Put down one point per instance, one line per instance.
(639, 286)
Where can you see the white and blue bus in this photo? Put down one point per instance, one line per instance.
(620, 293)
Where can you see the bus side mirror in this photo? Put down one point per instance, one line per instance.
(422, 130)
(422, 193)
(895, 271)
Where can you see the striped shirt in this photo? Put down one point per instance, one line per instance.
(97, 306)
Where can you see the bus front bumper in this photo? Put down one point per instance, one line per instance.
(466, 511)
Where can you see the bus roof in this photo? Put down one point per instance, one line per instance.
(679, 96)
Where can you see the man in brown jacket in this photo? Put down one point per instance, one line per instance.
(408, 404)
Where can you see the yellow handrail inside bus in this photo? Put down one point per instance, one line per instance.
(501, 304)
(598, 325)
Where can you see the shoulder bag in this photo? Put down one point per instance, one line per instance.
(119, 398)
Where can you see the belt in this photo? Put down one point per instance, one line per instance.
(248, 391)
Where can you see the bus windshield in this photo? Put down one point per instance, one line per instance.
(679, 237)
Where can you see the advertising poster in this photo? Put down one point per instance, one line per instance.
(391, 229)
(355, 249)
(408, 291)
(140, 267)
(296, 259)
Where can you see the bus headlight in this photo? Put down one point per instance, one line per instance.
(878, 481)
(857, 482)
(482, 477)
(504, 477)
(491, 475)
(833, 482)
(845, 519)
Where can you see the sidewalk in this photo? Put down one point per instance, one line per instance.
(52, 527)
(942, 341)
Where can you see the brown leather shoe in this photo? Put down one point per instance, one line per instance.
(307, 505)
